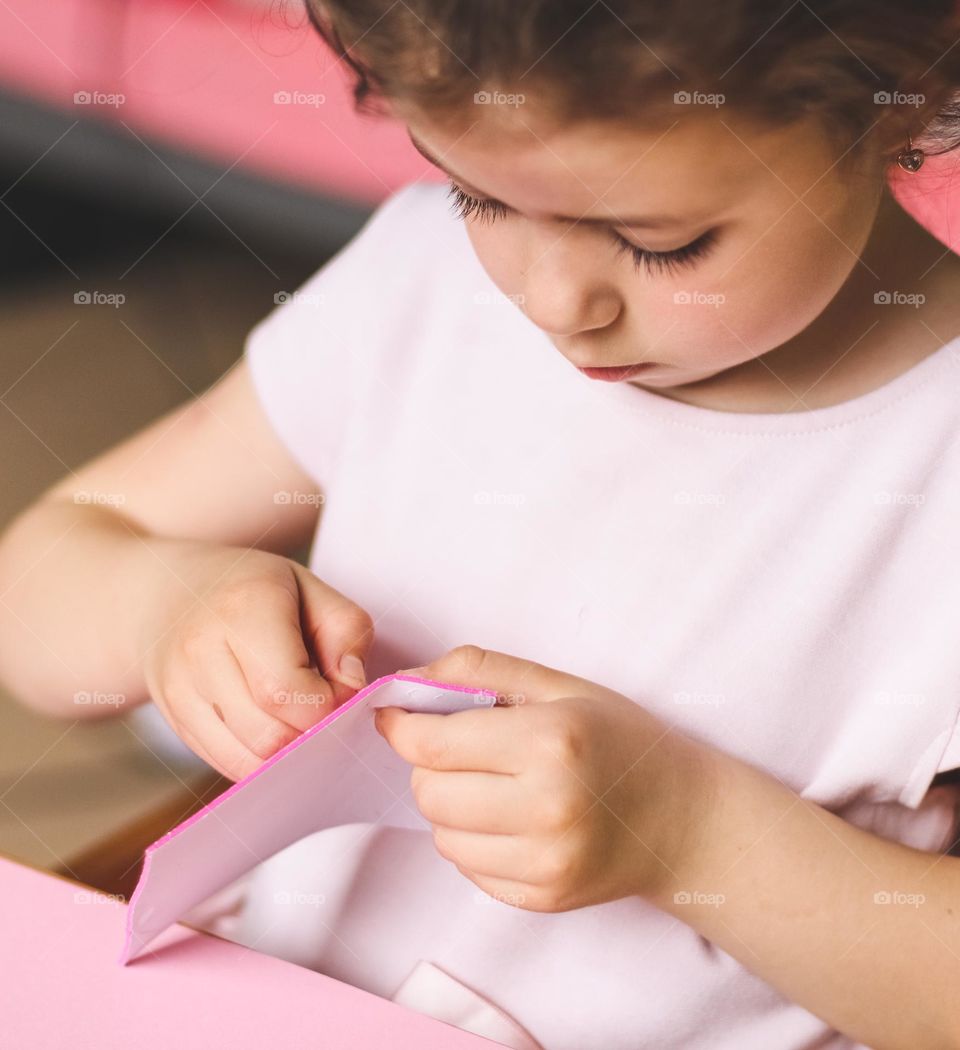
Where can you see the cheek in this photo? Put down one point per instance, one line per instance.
(759, 291)
(749, 305)
(499, 253)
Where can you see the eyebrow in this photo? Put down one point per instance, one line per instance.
(648, 221)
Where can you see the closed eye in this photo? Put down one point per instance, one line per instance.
(675, 259)
(466, 207)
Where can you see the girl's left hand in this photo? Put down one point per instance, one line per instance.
(565, 794)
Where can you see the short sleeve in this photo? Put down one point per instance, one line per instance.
(950, 759)
(311, 356)
(942, 755)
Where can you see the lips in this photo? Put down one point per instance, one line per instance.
(617, 373)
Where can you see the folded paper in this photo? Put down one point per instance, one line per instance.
(339, 771)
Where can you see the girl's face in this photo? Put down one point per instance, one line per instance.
(752, 232)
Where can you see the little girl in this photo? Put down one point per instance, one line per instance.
(660, 441)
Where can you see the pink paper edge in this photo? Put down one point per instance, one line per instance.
(299, 741)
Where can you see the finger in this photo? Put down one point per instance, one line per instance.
(496, 856)
(509, 891)
(511, 858)
(198, 749)
(340, 632)
(299, 704)
(214, 742)
(485, 802)
(222, 685)
(515, 680)
(480, 739)
(267, 640)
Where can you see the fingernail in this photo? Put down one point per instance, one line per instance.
(413, 670)
(352, 671)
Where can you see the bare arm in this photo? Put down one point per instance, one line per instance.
(860, 930)
(81, 566)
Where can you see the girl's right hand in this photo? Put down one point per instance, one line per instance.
(246, 650)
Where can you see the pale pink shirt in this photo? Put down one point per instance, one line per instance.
(785, 587)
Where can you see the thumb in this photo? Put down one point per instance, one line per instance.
(340, 632)
(513, 679)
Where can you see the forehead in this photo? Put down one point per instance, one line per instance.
(689, 168)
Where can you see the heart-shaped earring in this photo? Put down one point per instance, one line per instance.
(911, 159)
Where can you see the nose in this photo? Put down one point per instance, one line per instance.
(564, 292)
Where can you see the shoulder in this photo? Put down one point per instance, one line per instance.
(411, 238)
(398, 238)
(371, 302)
(415, 202)
(418, 213)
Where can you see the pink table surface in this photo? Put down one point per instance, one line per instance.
(61, 986)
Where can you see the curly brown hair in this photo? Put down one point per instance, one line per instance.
(858, 65)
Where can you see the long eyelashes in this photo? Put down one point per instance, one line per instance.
(668, 262)
(466, 206)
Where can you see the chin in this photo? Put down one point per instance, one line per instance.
(679, 376)
(675, 377)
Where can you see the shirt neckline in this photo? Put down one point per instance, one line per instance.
(827, 417)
